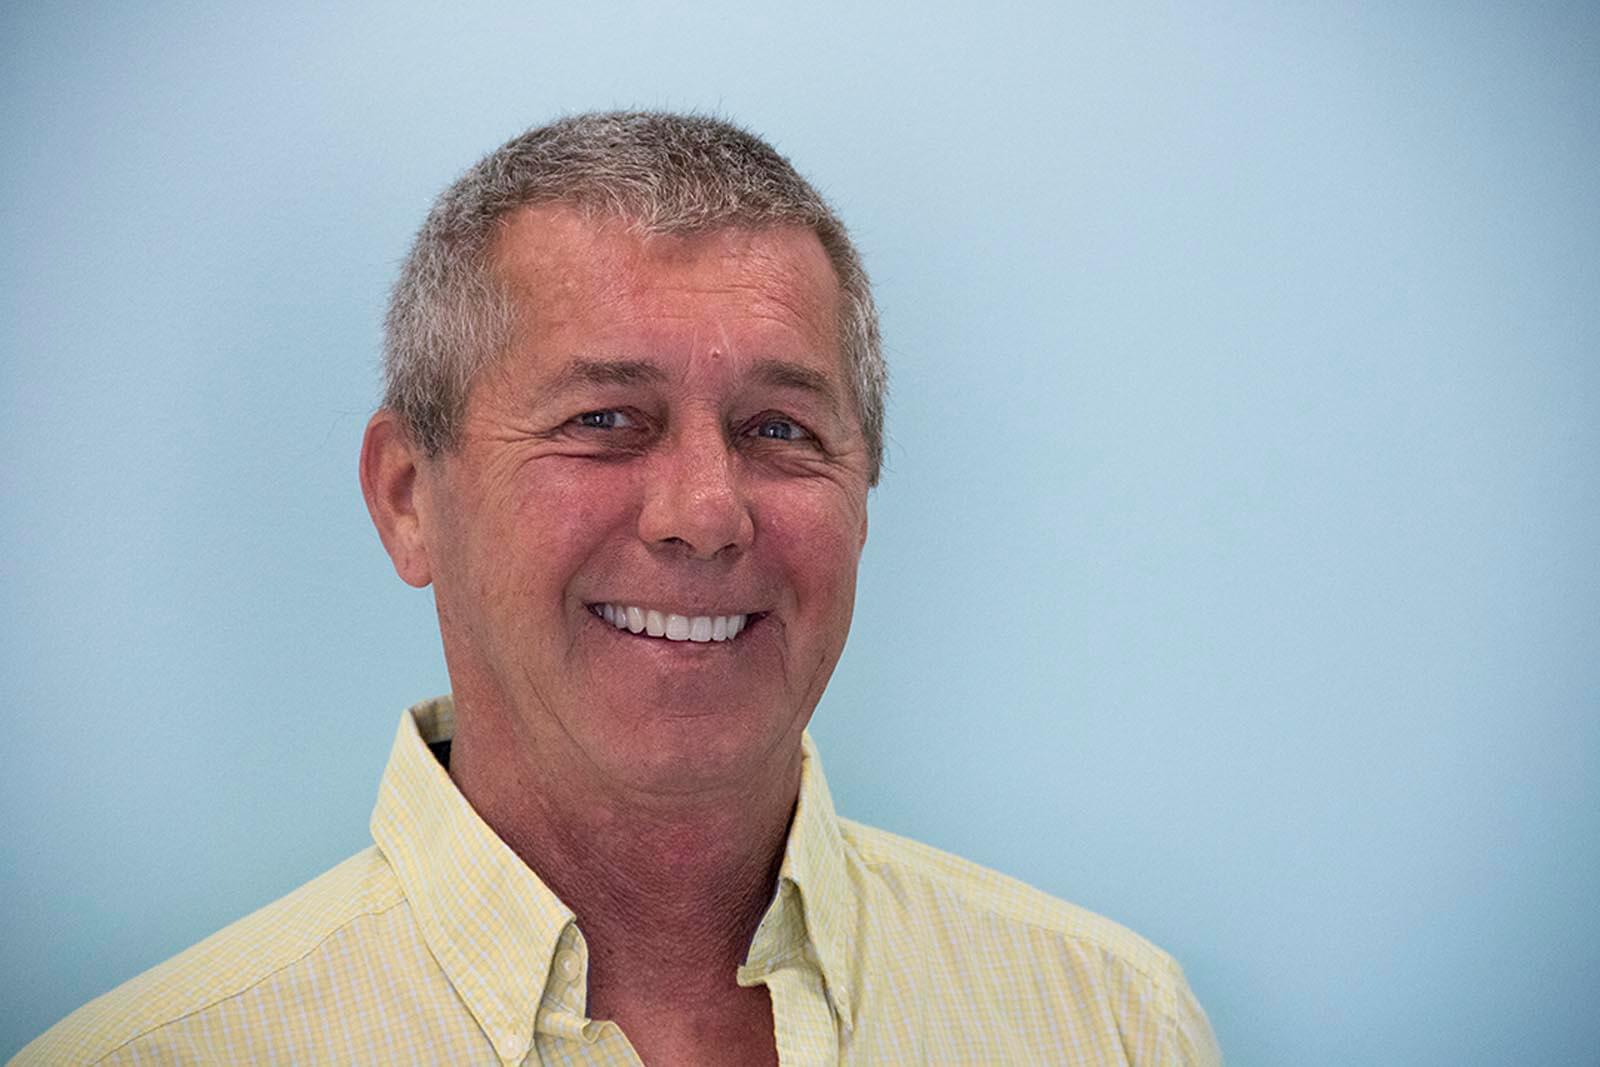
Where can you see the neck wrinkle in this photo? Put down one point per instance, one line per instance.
(668, 895)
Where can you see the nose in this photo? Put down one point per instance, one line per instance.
(694, 502)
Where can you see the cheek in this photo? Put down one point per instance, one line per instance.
(561, 515)
(821, 547)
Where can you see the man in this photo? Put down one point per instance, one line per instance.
(634, 408)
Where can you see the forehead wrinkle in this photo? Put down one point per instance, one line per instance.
(566, 271)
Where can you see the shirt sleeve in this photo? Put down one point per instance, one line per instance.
(1193, 1043)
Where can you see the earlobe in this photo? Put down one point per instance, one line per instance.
(390, 473)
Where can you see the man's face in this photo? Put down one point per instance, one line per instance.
(671, 433)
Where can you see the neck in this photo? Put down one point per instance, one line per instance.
(668, 891)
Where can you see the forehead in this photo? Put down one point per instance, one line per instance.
(567, 273)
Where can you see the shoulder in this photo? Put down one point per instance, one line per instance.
(961, 922)
(225, 965)
(960, 884)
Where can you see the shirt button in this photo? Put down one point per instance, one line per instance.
(567, 964)
(511, 1048)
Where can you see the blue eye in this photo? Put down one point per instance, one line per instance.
(604, 420)
(779, 430)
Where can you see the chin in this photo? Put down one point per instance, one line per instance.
(691, 752)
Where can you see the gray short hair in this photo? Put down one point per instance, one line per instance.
(665, 174)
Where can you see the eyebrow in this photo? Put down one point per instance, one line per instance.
(606, 372)
(783, 374)
(779, 373)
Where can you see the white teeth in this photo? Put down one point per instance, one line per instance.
(697, 628)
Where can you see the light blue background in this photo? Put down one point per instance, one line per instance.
(1236, 572)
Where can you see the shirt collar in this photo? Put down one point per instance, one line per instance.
(487, 918)
(814, 865)
(495, 927)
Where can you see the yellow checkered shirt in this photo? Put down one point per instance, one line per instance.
(439, 946)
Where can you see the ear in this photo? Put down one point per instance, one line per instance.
(390, 472)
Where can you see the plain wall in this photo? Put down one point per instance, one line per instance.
(1235, 570)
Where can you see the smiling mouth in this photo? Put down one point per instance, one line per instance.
(648, 622)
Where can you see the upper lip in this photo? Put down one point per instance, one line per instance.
(668, 606)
